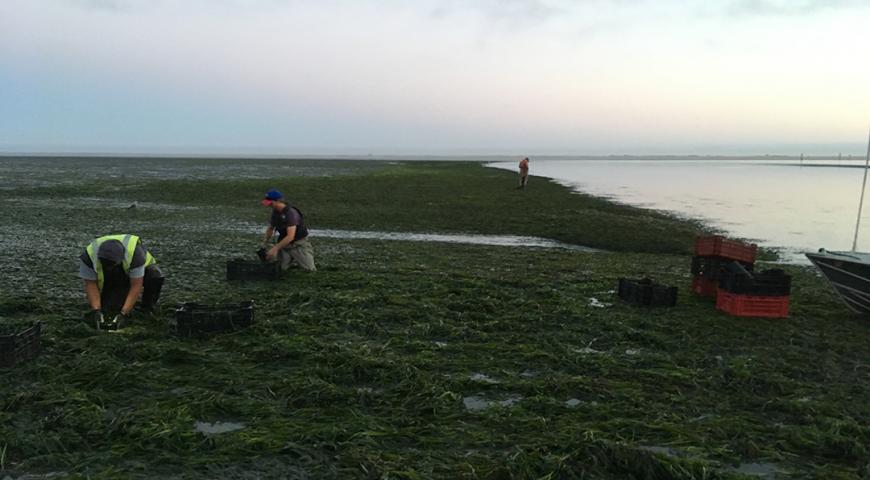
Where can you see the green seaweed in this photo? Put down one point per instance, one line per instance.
(360, 369)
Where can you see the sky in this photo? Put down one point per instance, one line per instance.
(356, 77)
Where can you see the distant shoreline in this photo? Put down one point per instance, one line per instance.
(463, 158)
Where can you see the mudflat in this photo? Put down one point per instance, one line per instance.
(406, 359)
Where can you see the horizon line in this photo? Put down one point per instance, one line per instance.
(394, 156)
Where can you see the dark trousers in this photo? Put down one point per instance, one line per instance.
(114, 292)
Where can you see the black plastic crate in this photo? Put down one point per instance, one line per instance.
(243, 269)
(197, 319)
(647, 293)
(711, 268)
(20, 347)
(768, 283)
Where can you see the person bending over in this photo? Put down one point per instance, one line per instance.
(116, 269)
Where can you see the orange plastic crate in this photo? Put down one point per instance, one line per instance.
(719, 246)
(750, 305)
(705, 287)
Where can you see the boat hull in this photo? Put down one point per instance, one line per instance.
(849, 274)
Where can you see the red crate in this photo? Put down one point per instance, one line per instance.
(719, 246)
(751, 305)
(705, 287)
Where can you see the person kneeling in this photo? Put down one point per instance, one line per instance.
(116, 269)
(293, 245)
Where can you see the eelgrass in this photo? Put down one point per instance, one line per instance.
(361, 369)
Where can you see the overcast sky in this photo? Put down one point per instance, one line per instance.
(435, 77)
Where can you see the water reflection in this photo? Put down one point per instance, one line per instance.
(778, 203)
(496, 240)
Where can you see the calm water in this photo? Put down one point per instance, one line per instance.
(792, 207)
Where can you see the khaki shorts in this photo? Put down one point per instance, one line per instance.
(299, 252)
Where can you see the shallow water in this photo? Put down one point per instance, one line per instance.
(217, 427)
(780, 204)
(463, 238)
(762, 470)
(483, 378)
(661, 450)
(471, 239)
(476, 403)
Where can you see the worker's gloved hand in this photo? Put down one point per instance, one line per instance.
(121, 320)
(95, 318)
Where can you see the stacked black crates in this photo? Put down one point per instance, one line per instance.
(712, 255)
(745, 294)
(647, 293)
(724, 269)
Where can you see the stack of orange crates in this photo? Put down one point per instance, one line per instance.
(713, 252)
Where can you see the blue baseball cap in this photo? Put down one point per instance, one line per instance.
(272, 196)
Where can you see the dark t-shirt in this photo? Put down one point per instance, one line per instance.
(289, 216)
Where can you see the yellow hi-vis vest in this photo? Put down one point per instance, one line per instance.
(129, 242)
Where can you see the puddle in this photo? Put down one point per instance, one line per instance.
(587, 351)
(529, 373)
(440, 344)
(495, 240)
(217, 427)
(660, 450)
(632, 352)
(470, 239)
(572, 402)
(762, 470)
(482, 377)
(369, 391)
(475, 403)
(510, 401)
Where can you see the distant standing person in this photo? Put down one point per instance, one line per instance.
(524, 173)
(293, 244)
